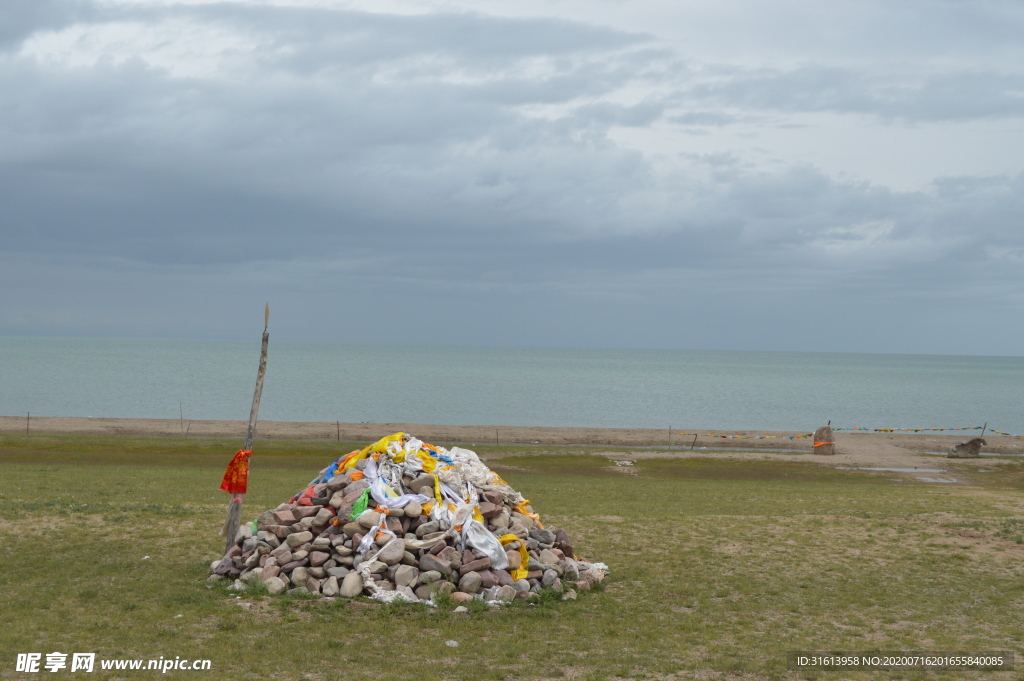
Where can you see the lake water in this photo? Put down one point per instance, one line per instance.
(687, 389)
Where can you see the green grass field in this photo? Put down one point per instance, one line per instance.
(718, 569)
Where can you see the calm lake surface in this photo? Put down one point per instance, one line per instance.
(687, 389)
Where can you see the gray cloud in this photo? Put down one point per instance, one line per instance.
(19, 19)
(464, 167)
(958, 96)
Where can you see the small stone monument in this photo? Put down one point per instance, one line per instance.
(967, 450)
(824, 441)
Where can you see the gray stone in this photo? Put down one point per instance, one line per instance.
(525, 521)
(393, 552)
(376, 567)
(275, 585)
(317, 572)
(521, 585)
(338, 482)
(544, 537)
(429, 576)
(252, 576)
(358, 485)
(505, 594)
(569, 595)
(406, 575)
(423, 481)
(967, 450)
(321, 544)
(461, 609)
(299, 538)
(301, 512)
(413, 509)
(213, 579)
(369, 519)
(265, 520)
(322, 518)
(427, 528)
(549, 578)
(548, 558)
(299, 576)
(351, 586)
(338, 572)
(433, 563)
(470, 583)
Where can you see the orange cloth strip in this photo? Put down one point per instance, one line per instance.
(236, 477)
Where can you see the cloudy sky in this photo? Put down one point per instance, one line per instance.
(793, 175)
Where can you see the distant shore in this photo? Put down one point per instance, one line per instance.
(500, 435)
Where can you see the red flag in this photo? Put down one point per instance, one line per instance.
(236, 477)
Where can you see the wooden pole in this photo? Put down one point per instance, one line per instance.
(181, 415)
(28, 420)
(694, 443)
(338, 424)
(983, 428)
(235, 507)
(259, 381)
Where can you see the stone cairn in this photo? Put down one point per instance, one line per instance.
(405, 520)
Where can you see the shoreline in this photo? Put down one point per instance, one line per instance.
(660, 438)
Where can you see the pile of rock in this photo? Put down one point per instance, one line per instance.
(377, 523)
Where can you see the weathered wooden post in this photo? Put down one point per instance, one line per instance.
(236, 477)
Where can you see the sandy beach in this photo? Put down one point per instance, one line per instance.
(854, 449)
